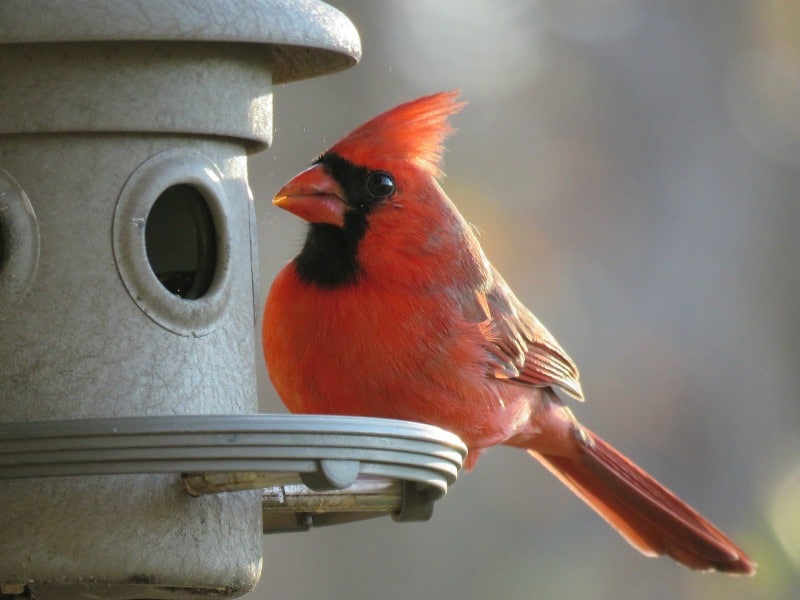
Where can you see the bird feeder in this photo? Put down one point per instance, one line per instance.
(132, 461)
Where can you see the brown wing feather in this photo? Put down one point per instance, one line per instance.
(521, 348)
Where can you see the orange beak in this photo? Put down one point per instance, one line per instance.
(314, 196)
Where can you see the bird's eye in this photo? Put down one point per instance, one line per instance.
(380, 184)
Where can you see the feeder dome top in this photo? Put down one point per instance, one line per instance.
(306, 37)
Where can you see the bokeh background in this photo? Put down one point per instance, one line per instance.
(634, 168)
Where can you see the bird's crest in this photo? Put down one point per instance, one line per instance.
(413, 131)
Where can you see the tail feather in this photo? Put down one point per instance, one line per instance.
(649, 516)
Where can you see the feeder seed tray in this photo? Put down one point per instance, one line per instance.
(312, 470)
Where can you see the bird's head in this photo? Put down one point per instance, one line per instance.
(373, 197)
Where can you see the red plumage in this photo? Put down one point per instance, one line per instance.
(392, 310)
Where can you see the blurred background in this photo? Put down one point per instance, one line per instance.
(634, 169)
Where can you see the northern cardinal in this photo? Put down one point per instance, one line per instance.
(392, 310)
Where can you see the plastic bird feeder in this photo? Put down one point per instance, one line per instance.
(132, 463)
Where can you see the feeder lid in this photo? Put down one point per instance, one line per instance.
(307, 37)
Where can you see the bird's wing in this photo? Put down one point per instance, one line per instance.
(521, 348)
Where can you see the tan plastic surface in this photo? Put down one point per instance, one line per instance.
(105, 105)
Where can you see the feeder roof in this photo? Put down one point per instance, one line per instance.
(307, 38)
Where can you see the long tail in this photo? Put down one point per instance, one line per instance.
(649, 516)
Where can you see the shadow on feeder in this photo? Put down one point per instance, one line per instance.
(181, 241)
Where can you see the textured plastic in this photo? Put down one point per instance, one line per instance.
(176, 166)
(363, 467)
(19, 243)
(336, 450)
(220, 87)
(105, 103)
(307, 38)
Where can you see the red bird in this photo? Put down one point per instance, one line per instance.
(392, 310)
